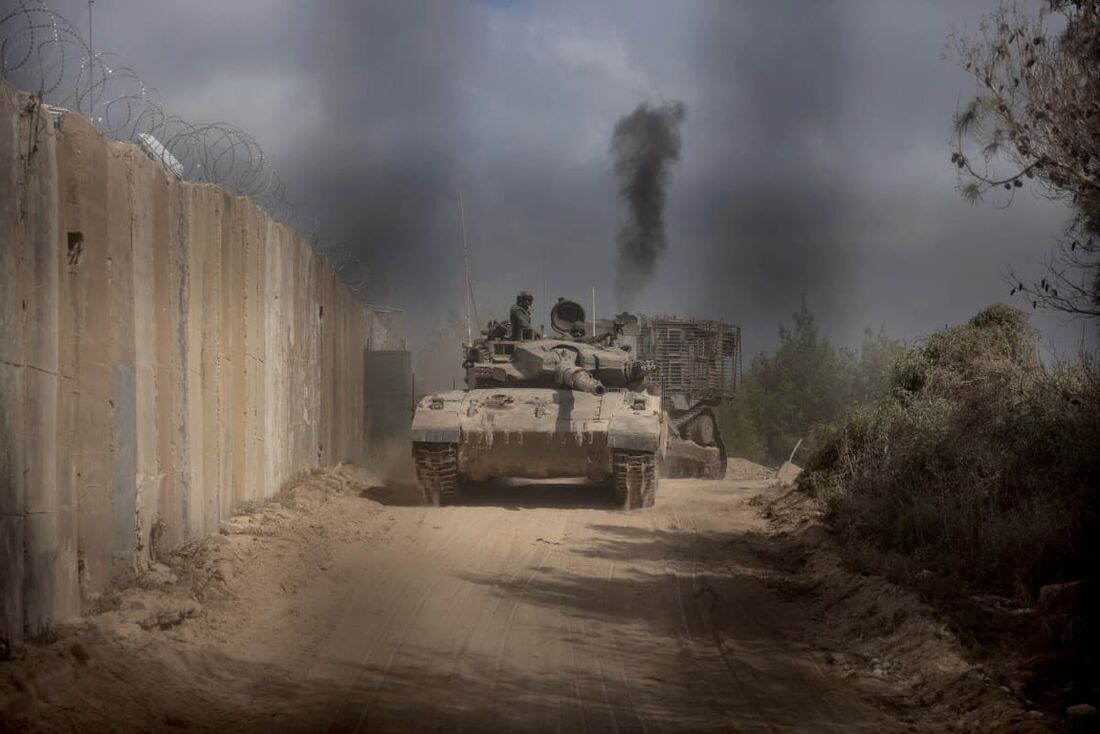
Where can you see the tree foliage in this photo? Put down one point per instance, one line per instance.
(1035, 120)
(805, 383)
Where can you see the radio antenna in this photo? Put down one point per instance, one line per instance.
(466, 262)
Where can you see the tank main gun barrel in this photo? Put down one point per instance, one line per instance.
(580, 379)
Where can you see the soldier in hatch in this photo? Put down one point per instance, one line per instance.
(520, 317)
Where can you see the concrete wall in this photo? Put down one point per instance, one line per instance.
(385, 330)
(167, 352)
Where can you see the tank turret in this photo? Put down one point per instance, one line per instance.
(573, 359)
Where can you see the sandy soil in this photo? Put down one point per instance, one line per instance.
(745, 469)
(531, 607)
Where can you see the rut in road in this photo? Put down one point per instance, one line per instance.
(540, 607)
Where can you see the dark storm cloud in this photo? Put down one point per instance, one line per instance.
(824, 130)
(644, 144)
(356, 103)
(770, 203)
(381, 173)
(815, 156)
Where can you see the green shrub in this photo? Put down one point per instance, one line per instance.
(805, 383)
(978, 463)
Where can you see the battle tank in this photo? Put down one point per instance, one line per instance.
(540, 408)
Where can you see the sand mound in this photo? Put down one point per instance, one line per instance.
(744, 469)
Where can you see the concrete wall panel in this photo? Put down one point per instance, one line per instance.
(231, 366)
(12, 370)
(47, 500)
(120, 361)
(84, 214)
(254, 336)
(12, 505)
(124, 537)
(172, 284)
(149, 476)
(12, 574)
(194, 317)
(13, 490)
(208, 237)
(12, 242)
(276, 338)
(41, 605)
(167, 352)
(66, 266)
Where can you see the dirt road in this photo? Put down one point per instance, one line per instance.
(550, 612)
(532, 607)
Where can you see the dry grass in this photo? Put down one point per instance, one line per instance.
(981, 467)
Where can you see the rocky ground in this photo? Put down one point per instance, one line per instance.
(345, 606)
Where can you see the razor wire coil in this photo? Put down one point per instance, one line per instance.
(42, 53)
(349, 268)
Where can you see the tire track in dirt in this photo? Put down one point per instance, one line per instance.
(819, 692)
(592, 631)
(435, 546)
(822, 705)
(688, 636)
(516, 602)
(697, 589)
(617, 650)
(393, 654)
(464, 589)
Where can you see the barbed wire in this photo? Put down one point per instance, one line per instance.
(42, 53)
(349, 268)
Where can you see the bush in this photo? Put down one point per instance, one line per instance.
(804, 384)
(978, 464)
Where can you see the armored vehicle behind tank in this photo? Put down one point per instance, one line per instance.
(541, 408)
(697, 370)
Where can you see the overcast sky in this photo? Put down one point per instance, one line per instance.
(815, 147)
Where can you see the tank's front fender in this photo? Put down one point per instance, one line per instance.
(634, 434)
(438, 419)
(435, 435)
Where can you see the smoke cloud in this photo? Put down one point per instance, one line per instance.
(817, 162)
(644, 145)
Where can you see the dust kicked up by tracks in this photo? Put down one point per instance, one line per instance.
(526, 607)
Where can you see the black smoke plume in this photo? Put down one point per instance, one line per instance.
(645, 144)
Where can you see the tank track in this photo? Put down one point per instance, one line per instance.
(437, 472)
(681, 426)
(678, 422)
(635, 476)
